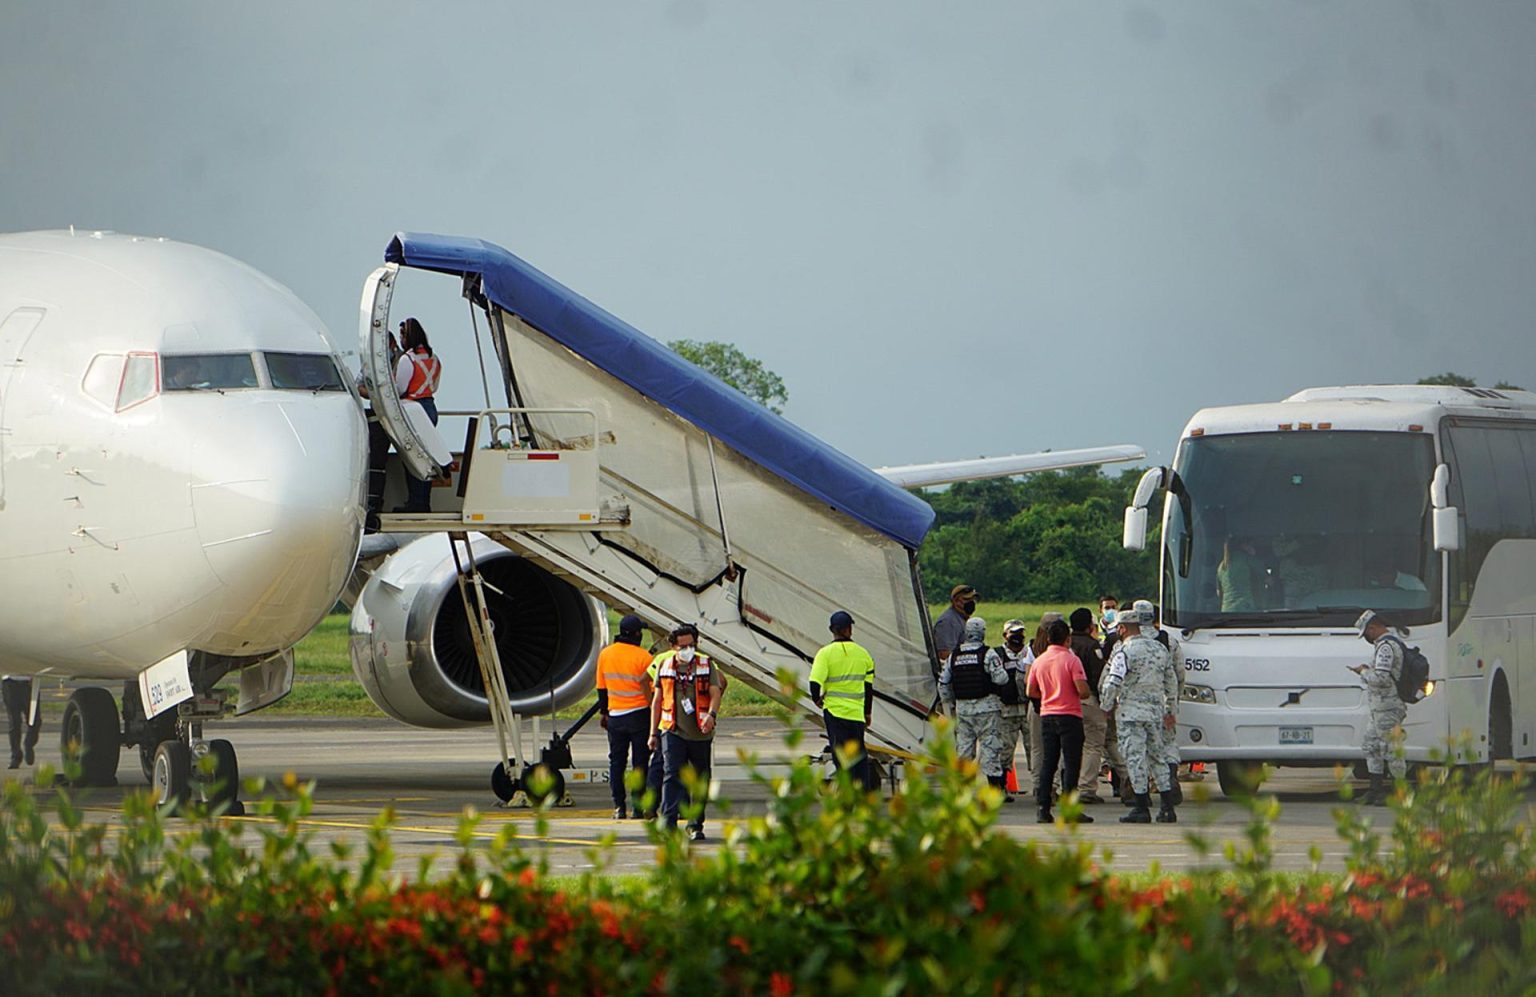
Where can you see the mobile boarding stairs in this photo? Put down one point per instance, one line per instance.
(617, 466)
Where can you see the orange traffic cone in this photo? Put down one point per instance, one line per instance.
(1013, 781)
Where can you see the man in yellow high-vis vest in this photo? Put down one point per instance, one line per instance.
(842, 684)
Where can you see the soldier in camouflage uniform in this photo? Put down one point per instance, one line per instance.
(1387, 710)
(968, 687)
(1140, 689)
(1167, 737)
(1015, 657)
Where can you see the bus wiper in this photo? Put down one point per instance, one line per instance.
(1259, 619)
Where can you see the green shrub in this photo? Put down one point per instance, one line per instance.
(829, 891)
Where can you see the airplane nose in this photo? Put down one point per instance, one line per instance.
(281, 521)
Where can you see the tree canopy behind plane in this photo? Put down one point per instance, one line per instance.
(1454, 380)
(1044, 537)
(751, 377)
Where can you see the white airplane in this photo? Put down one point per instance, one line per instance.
(181, 475)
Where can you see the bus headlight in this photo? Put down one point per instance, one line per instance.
(1198, 694)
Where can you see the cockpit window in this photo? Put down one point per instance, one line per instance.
(140, 380)
(304, 371)
(207, 371)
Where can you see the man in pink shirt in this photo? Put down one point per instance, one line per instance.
(1058, 679)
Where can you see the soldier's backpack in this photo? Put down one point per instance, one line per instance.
(1413, 680)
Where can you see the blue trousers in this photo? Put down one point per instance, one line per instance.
(677, 752)
(418, 491)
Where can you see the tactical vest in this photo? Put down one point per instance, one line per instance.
(1009, 693)
(968, 677)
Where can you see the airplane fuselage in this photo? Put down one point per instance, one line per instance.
(181, 463)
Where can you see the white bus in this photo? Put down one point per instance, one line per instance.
(1283, 521)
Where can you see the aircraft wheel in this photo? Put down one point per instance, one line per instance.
(1239, 779)
(91, 737)
(502, 784)
(172, 781)
(164, 727)
(224, 781)
(544, 782)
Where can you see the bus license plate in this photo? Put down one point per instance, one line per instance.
(1295, 735)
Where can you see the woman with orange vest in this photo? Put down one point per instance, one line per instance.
(683, 709)
(416, 375)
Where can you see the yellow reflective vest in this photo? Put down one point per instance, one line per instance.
(843, 669)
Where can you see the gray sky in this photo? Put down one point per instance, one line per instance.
(943, 225)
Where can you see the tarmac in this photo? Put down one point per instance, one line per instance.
(360, 766)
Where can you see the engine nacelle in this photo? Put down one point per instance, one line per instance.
(411, 646)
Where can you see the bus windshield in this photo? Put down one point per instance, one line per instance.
(1300, 529)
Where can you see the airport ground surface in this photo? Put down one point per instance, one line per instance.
(360, 766)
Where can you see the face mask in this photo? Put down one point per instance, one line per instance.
(1015, 642)
(968, 606)
(1109, 617)
(685, 654)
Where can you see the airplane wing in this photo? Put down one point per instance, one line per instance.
(947, 472)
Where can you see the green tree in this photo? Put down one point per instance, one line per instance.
(1450, 380)
(1462, 381)
(1041, 538)
(735, 368)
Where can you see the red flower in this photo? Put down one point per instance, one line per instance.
(780, 985)
(1513, 903)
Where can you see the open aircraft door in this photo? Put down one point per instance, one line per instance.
(421, 446)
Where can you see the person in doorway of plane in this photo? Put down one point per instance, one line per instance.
(416, 378)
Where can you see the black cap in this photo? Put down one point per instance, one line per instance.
(841, 619)
(630, 624)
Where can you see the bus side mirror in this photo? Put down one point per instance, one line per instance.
(1439, 487)
(1135, 535)
(1446, 524)
(1447, 528)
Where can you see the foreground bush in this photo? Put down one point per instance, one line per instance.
(824, 894)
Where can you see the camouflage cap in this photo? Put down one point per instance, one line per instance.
(1365, 621)
(975, 628)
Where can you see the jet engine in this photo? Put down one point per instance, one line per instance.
(412, 650)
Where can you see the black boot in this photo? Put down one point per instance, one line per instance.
(1141, 813)
(1043, 816)
(1376, 796)
(1165, 814)
(15, 760)
(1173, 779)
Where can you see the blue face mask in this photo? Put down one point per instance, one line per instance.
(1109, 617)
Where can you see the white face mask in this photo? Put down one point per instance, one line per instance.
(685, 654)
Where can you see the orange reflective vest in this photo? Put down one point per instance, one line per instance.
(425, 372)
(621, 669)
(667, 678)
